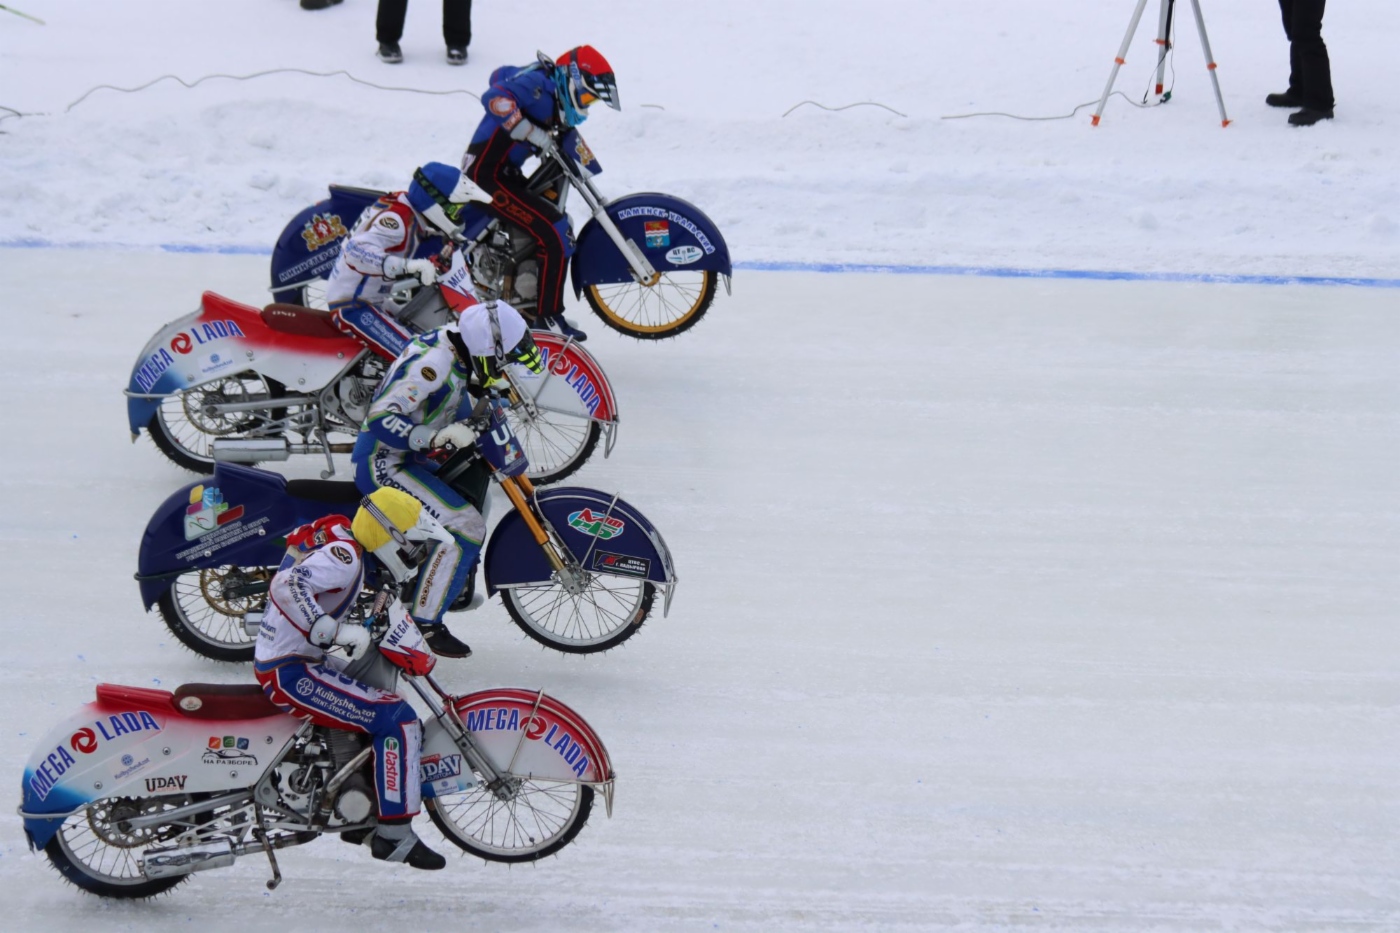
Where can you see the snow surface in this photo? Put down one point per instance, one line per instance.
(1005, 604)
(705, 87)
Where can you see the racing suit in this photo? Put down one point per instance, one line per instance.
(359, 284)
(519, 100)
(322, 575)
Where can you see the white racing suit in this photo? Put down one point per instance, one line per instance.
(427, 385)
(321, 575)
(358, 287)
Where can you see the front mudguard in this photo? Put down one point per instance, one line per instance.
(673, 234)
(580, 517)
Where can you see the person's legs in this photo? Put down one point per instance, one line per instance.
(444, 573)
(371, 327)
(457, 23)
(388, 21)
(1311, 80)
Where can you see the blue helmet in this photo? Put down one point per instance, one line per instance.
(437, 194)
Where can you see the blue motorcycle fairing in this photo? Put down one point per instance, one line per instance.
(573, 146)
(237, 516)
(580, 516)
(674, 235)
(295, 259)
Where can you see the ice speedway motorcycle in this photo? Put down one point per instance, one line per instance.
(578, 569)
(142, 787)
(236, 383)
(647, 263)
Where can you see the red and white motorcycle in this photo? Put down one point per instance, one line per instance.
(241, 384)
(142, 787)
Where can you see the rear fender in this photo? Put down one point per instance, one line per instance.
(239, 516)
(581, 517)
(526, 732)
(225, 337)
(135, 742)
(673, 234)
(308, 246)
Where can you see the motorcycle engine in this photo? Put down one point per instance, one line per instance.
(355, 802)
(355, 391)
(527, 280)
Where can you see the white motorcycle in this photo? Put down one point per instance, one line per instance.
(239, 384)
(143, 787)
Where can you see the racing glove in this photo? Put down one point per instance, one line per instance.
(397, 267)
(353, 638)
(536, 136)
(457, 435)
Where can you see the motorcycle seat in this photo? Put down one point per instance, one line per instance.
(224, 701)
(304, 322)
(324, 490)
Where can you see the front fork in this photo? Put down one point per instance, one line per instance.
(642, 269)
(570, 573)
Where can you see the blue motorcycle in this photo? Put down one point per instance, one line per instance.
(647, 264)
(578, 569)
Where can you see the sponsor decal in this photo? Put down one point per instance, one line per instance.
(228, 750)
(508, 719)
(392, 791)
(512, 121)
(678, 219)
(53, 767)
(502, 106)
(133, 766)
(568, 749)
(684, 255)
(427, 585)
(388, 221)
(577, 378)
(321, 697)
(207, 511)
(149, 372)
(439, 767)
(342, 554)
(319, 264)
(182, 343)
(396, 425)
(305, 687)
(598, 524)
(165, 785)
(204, 333)
(85, 740)
(585, 155)
(623, 564)
(658, 233)
(495, 719)
(430, 374)
(229, 531)
(321, 230)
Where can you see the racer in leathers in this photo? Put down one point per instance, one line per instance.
(307, 612)
(524, 105)
(380, 249)
(418, 412)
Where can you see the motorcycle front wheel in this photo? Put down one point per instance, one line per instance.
(185, 433)
(528, 820)
(98, 851)
(653, 312)
(555, 443)
(205, 609)
(609, 611)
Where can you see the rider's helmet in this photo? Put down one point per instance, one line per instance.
(581, 76)
(437, 194)
(397, 529)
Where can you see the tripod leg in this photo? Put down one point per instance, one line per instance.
(1118, 62)
(1164, 41)
(1210, 60)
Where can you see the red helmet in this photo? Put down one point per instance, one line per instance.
(584, 76)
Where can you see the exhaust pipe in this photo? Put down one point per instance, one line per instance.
(182, 860)
(251, 450)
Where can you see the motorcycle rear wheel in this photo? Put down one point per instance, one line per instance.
(670, 307)
(94, 852)
(185, 434)
(610, 611)
(313, 295)
(538, 819)
(209, 622)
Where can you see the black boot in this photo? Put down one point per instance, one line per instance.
(444, 643)
(1286, 99)
(356, 837)
(1308, 116)
(403, 846)
(390, 52)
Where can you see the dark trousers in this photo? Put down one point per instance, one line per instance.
(1311, 78)
(456, 21)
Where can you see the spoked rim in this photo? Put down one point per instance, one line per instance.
(554, 442)
(313, 294)
(669, 306)
(185, 425)
(538, 817)
(216, 618)
(95, 839)
(607, 611)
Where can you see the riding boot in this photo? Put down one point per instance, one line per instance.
(566, 327)
(444, 643)
(396, 842)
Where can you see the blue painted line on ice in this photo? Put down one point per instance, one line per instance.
(996, 272)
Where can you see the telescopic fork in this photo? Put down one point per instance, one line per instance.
(1164, 26)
